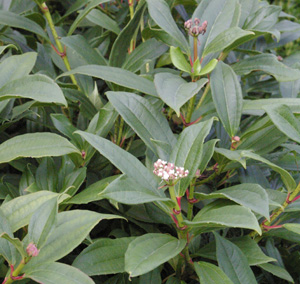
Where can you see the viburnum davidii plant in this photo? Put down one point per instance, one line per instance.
(150, 141)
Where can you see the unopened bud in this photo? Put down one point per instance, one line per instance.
(236, 139)
(32, 250)
(188, 24)
(279, 58)
(204, 26)
(196, 21)
(195, 31)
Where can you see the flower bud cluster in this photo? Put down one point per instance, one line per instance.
(168, 171)
(32, 250)
(194, 28)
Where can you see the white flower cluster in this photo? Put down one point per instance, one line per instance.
(168, 171)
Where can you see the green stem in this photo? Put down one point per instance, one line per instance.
(131, 10)
(64, 57)
(191, 205)
(120, 131)
(207, 88)
(277, 212)
(16, 272)
(195, 48)
(190, 109)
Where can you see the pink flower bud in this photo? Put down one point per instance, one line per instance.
(32, 250)
(196, 21)
(236, 139)
(188, 24)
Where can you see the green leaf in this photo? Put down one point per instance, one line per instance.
(37, 87)
(257, 107)
(252, 196)
(285, 121)
(269, 64)
(19, 210)
(227, 96)
(124, 161)
(179, 60)
(10, 19)
(175, 91)
(83, 13)
(116, 75)
(146, 52)
(277, 271)
(149, 251)
(92, 192)
(35, 145)
(292, 227)
(233, 262)
(224, 214)
(125, 190)
(81, 52)
(209, 67)
(287, 179)
(16, 243)
(230, 155)
(47, 168)
(119, 50)
(248, 246)
(210, 274)
(71, 229)
(225, 39)
(187, 152)
(59, 273)
(42, 222)
(16, 67)
(7, 250)
(100, 19)
(161, 14)
(207, 153)
(4, 47)
(143, 118)
(105, 256)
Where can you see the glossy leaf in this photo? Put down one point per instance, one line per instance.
(42, 222)
(116, 75)
(19, 210)
(142, 117)
(37, 87)
(224, 214)
(8, 18)
(207, 153)
(149, 251)
(161, 14)
(16, 67)
(16, 243)
(209, 67)
(227, 97)
(285, 121)
(71, 229)
(35, 145)
(179, 60)
(124, 161)
(277, 271)
(285, 176)
(60, 273)
(91, 5)
(210, 274)
(187, 152)
(233, 262)
(175, 91)
(269, 64)
(104, 256)
(225, 39)
(99, 18)
(252, 196)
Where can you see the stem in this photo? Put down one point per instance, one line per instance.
(131, 10)
(120, 131)
(277, 212)
(195, 48)
(64, 57)
(177, 207)
(207, 88)
(190, 109)
(16, 272)
(191, 205)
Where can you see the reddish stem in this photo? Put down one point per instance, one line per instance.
(272, 227)
(61, 54)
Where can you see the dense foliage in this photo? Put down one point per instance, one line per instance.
(150, 141)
